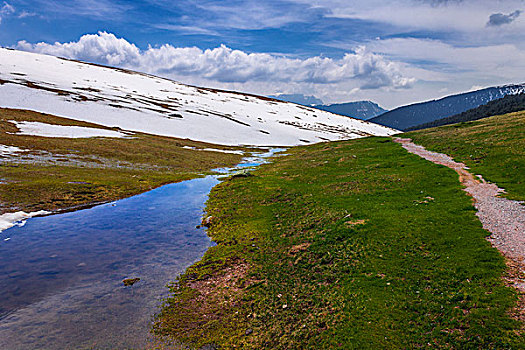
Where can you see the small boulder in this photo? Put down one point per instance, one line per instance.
(208, 221)
(130, 281)
(242, 173)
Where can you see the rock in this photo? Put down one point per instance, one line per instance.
(242, 173)
(208, 221)
(130, 281)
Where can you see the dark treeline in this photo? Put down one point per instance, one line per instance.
(507, 104)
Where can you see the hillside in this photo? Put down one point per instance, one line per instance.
(405, 117)
(493, 147)
(144, 103)
(507, 104)
(360, 109)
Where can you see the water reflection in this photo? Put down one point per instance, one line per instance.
(61, 275)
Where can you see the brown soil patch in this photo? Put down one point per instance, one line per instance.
(299, 248)
(218, 286)
(355, 223)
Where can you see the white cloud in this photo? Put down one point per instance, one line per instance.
(6, 10)
(25, 14)
(247, 14)
(98, 9)
(190, 30)
(456, 20)
(102, 48)
(496, 63)
(391, 71)
(362, 68)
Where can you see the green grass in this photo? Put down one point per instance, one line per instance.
(105, 168)
(492, 147)
(354, 245)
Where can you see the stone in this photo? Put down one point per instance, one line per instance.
(130, 281)
(208, 221)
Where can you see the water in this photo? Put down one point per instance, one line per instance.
(61, 275)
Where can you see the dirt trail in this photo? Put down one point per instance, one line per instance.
(502, 217)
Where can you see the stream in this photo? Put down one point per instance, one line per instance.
(61, 275)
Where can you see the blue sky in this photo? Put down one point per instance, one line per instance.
(393, 52)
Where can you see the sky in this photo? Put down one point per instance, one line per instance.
(391, 52)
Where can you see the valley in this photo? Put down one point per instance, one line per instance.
(344, 239)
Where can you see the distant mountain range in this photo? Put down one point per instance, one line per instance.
(507, 104)
(359, 109)
(299, 99)
(405, 117)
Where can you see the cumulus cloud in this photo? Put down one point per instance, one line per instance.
(5, 10)
(363, 68)
(100, 48)
(498, 19)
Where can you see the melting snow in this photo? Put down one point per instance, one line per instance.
(6, 151)
(214, 150)
(140, 102)
(50, 130)
(19, 218)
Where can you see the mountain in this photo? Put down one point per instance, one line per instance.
(507, 104)
(140, 102)
(359, 109)
(299, 99)
(405, 117)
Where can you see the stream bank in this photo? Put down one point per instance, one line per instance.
(61, 275)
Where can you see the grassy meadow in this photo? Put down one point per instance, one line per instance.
(355, 245)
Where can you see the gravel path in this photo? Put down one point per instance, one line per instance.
(502, 217)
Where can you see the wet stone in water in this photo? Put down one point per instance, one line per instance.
(130, 281)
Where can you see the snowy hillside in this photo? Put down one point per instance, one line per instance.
(139, 102)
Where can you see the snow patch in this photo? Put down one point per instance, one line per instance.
(6, 151)
(214, 150)
(18, 218)
(72, 132)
